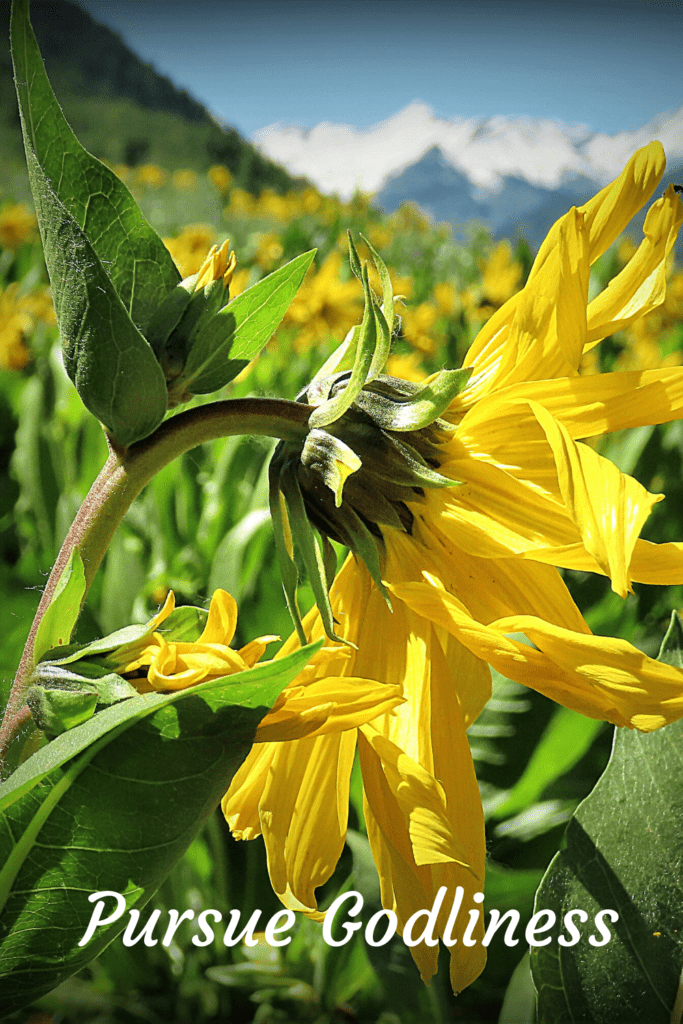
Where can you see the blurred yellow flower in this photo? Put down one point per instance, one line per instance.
(477, 562)
(150, 176)
(18, 317)
(268, 251)
(184, 179)
(324, 306)
(241, 203)
(501, 274)
(189, 248)
(417, 326)
(220, 177)
(18, 225)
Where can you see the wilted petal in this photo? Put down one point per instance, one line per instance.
(600, 677)
(608, 507)
(327, 705)
(641, 285)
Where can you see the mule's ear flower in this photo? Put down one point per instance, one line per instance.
(465, 566)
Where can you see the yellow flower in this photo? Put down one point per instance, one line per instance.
(150, 176)
(18, 314)
(324, 306)
(220, 177)
(476, 562)
(18, 224)
(184, 179)
(501, 274)
(188, 249)
(307, 707)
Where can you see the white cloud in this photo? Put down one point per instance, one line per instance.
(340, 158)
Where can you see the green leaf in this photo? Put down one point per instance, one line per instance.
(59, 620)
(240, 330)
(564, 742)
(137, 262)
(623, 853)
(112, 805)
(113, 367)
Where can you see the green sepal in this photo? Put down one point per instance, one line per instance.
(365, 547)
(281, 531)
(387, 289)
(671, 651)
(335, 407)
(323, 454)
(305, 540)
(427, 403)
(57, 709)
(238, 332)
(57, 624)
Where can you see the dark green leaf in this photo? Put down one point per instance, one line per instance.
(240, 330)
(623, 853)
(112, 805)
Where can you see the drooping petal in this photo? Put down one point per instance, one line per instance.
(609, 212)
(240, 805)
(410, 887)
(608, 507)
(586, 406)
(222, 621)
(327, 705)
(303, 812)
(252, 652)
(600, 677)
(641, 285)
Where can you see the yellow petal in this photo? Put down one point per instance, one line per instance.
(585, 405)
(303, 813)
(609, 212)
(252, 652)
(641, 285)
(604, 218)
(240, 804)
(600, 677)
(608, 507)
(222, 621)
(179, 665)
(422, 802)
(325, 706)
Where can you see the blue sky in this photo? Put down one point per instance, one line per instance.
(613, 66)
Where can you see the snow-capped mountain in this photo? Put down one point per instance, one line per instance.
(340, 158)
(511, 173)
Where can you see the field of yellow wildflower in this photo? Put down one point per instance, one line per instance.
(203, 525)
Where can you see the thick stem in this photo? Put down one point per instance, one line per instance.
(122, 478)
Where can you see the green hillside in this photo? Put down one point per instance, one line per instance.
(121, 109)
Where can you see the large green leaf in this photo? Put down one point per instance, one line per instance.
(112, 805)
(85, 225)
(624, 853)
(136, 260)
(241, 329)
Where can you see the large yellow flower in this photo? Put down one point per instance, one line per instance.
(476, 562)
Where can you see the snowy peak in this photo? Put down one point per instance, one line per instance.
(545, 153)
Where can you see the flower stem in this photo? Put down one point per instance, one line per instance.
(120, 481)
